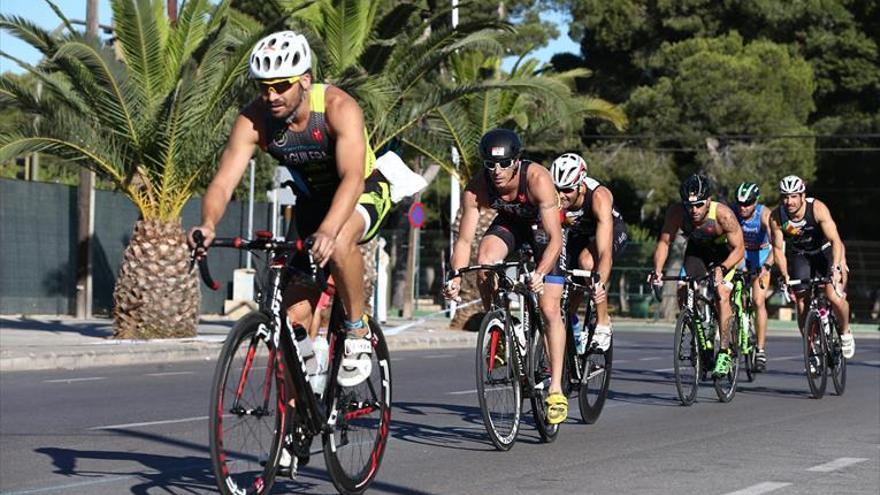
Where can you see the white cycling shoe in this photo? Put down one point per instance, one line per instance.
(848, 345)
(602, 337)
(357, 363)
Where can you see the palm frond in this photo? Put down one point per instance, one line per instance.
(30, 33)
(61, 16)
(139, 35)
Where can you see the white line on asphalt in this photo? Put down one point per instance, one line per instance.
(618, 361)
(836, 464)
(663, 370)
(149, 423)
(70, 380)
(440, 356)
(765, 487)
(171, 373)
(650, 358)
(787, 358)
(871, 363)
(462, 392)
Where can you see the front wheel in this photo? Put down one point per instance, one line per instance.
(355, 442)
(498, 386)
(814, 355)
(751, 344)
(686, 359)
(247, 414)
(836, 362)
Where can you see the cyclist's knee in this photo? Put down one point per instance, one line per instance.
(300, 313)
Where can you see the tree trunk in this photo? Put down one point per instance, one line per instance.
(156, 294)
(469, 291)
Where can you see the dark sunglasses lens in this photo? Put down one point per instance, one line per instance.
(746, 205)
(279, 87)
(567, 190)
(694, 205)
(491, 164)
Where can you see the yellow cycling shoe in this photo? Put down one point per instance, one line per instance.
(557, 408)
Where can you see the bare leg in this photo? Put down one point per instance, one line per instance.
(348, 268)
(759, 298)
(550, 309)
(725, 313)
(492, 250)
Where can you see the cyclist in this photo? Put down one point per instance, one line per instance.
(317, 132)
(714, 239)
(522, 194)
(595, 232)
(805, 239)
(754, 219)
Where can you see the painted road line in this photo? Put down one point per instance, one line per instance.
(663, 370)
(765, 487)
(171, 373)
(650, 358)
(836, 464)
(462, 392)
(148, 423)
(440, 356)
(71, 380)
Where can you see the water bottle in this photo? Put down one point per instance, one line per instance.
(305, 347)
(322, 359)
(578, 333)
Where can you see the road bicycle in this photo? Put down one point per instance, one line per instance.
(823, 352)
(511, 362)
(264, 403)
(698, 341)
(590, 369)
(744, 315)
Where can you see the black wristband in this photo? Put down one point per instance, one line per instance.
(724, 269)
(767, 266)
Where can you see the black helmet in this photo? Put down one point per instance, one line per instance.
(499, 145)
(695, 185)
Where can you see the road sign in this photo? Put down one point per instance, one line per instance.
(416, 215)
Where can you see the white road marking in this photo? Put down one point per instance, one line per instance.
(462, 392)
(650, 358)
(71, 380)
(871, 363)
(765, 487)
(786, 358)
(836, 464)
(618, 361)
(440, 356)
(171, 373)
(149, 423)
(663, 370)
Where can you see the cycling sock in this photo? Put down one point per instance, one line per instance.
(356, 324)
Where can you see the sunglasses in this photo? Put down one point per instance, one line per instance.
(278, 86)
(567, 190)
(492, 164)
(694, 205)
(746, 205)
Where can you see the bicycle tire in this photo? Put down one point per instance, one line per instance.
(247, 469)
(501, 404)
(725, 386)
(686, 357)
(595, 383)
(539, 371)
(836, 361)
(362, 412)
(814, 354)
(749, 358)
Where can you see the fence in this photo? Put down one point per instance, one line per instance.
(38, 229)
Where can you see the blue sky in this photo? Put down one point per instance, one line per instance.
(40, 13)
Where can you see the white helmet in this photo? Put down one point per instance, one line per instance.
(279, 55)
(792, 184)
(568, 170)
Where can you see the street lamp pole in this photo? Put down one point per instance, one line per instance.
(454, 186)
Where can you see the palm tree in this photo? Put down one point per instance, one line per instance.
(149, 115)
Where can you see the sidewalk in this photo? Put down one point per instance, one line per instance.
(42, 343)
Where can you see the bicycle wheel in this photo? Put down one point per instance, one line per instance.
(539, 369)
(248, 410)
(725, 386)
(814, 355)
(836, 361)
(498, 386)
(359, 419)
(594, 385)
(749, 357)
(686, 360)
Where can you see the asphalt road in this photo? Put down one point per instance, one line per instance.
(143, 429)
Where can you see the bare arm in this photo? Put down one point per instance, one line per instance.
(765, 223)
(345, 119)
(778, 241)
(467, 227)
(233, 162)
(543, 194)
(603, 202)
(671, 224)
(829, 228)
(734, 234)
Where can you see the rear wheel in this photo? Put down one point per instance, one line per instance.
(594, 385)
(725, 386)
(354, 446)
(686, 359)
(498, 386)
(749, 358)
(814, 355)
(539, 369)
(247, 410)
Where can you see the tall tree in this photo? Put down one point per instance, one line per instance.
(150, 117)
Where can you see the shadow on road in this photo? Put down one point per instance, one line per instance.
(176, 474)
(88, 329)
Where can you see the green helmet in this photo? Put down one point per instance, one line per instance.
(747, 193)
